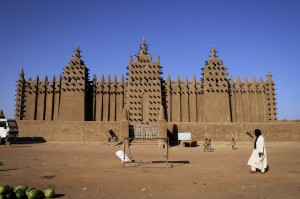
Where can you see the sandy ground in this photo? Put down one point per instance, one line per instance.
(92, 170)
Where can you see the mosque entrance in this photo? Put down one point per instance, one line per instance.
(144, 131)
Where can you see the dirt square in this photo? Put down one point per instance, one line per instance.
(92, 170)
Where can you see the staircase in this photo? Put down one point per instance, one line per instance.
(144, 142)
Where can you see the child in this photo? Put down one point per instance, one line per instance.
(7, 140)
(205, 145)
(233, 144)
(209, 145)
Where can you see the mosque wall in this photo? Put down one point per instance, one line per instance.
(214, 98)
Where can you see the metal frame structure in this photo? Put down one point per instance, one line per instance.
(166, 140)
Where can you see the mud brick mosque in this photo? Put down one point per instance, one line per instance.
(144, 96)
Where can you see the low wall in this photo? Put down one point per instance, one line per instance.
(272, 131)
(94, 131)
(72, 130)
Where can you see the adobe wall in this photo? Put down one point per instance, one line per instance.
(272, 131)
(72, 130)
(94, 131)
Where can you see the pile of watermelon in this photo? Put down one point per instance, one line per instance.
(23, 192)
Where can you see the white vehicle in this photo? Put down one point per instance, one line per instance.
(8, 129)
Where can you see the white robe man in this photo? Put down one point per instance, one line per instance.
(258, 159)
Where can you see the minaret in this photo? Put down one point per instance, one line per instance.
(20, 96)
(216, 94)
(271, 99)
(144, 87)
(144, 48)
(74, 89)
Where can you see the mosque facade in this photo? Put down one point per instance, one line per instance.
(143, 95)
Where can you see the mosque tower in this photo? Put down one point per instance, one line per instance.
(73, 90)
(216, 94)
(144, 96)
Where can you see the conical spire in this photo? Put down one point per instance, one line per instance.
(102, 80)
(122, 82)
(194, 82)
(108, 79)
(168, 78)
(77, 51)
(269, 76)
(158, 58)
(185, 81)
(115, 81)
(213, 52)
(144, 48)
(231, 79)
(246, 80)
(22, 73)
(76, 60)
(59, 80)
(45, 80)
(130, 59)
(238, 79)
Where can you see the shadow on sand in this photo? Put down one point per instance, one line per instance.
(28, 140)
(159, 163)
(59, 195)
(9, 169)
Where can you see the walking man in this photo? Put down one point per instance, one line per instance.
(258, 159)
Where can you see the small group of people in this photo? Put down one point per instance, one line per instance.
(258, 158)
(207, 145)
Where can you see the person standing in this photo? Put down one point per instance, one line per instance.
(7, 140)
(209, 145)
(233, 143)
(205, 145)
(258, 158)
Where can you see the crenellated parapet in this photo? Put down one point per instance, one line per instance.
(183, 99)
(109, 98)
(253, 101)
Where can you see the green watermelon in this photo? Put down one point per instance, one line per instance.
(28, 190)
(23, 187)
(4, 189)
(20, 193)
(35, 194)
(49, 193)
